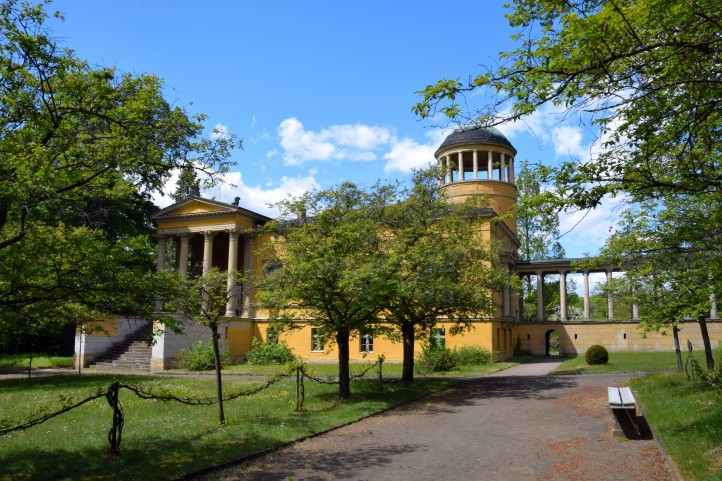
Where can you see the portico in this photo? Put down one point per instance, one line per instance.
(198, 235)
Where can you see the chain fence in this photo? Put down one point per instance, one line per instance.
(112, 396)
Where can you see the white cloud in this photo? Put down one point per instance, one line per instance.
(253, 121)
(343, 142)
(406, 154)
(257, 198)
(567, 140)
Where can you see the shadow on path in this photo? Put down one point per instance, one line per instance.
(334, 463)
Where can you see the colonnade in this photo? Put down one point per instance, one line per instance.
(231, 269)
(504, 164)
(563, 310)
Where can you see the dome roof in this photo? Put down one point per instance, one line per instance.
(475, 135)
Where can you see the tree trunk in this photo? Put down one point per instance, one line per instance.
(344, 379)
(219, 381)
(407, 333)
(677, 351)
(707, 345)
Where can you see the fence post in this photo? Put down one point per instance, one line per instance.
(381, 373)
(300, 389)
(116, 431)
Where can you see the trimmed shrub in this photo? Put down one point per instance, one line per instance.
(435, 359)
(269, 353)
(597, 355)
(199, 357)
(472, 356)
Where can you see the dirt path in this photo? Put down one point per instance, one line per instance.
(515, 425)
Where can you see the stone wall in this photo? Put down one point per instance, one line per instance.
(576, 337)
(88, 346)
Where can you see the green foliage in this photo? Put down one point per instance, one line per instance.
(437, 268)
(472, 356)
(263, 353)
(333, 265)
(537, 221)
(596, 354)
(645, 73)
(188, 185)
(435, 359)
(82, 149)
(200, 357)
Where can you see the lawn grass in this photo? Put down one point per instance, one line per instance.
(165, 440)
(630, 362)
(688, 419)
(20, 361)
(391, 370)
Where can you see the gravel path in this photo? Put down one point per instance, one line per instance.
(515, 425)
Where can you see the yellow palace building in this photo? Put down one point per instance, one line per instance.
(198, 234)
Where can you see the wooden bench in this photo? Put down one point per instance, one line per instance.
(621, 398)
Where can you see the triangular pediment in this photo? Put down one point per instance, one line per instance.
(194, 206)
(198, 206)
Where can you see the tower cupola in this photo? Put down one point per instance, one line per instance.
(479, 161)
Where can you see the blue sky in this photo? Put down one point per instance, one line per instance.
(319, 92)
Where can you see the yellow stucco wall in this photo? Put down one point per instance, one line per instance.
(500, 196)
(238, 338)
(575, 338)
(299, 340)
(235, 220)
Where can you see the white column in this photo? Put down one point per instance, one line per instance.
(183, 255)
(476, 164)
(460, 157)
(447, 170)
(539, 296)
(232, 269)
(511, 169)
(610, 300)
(563, 296)
(502, 169)
(207, 251)
(160, 260)
(587, 310)
(160, 265)
(713, 306)
(490, 165)
(635, 311)
(248, 273)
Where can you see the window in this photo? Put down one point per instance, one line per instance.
(367, 343)
(317, 340)
(575, 337)
(438, 338)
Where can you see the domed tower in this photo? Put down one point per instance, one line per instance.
(480, 161)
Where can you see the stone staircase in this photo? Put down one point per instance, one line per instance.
(132, 354)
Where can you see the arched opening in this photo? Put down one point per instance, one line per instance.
(552, 343)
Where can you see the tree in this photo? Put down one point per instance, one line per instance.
(537, 224)
(332, 273)
(203, 300)
(646, 73)
(670, 274)
(438, 267)
(82, 150)
(188, 185)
